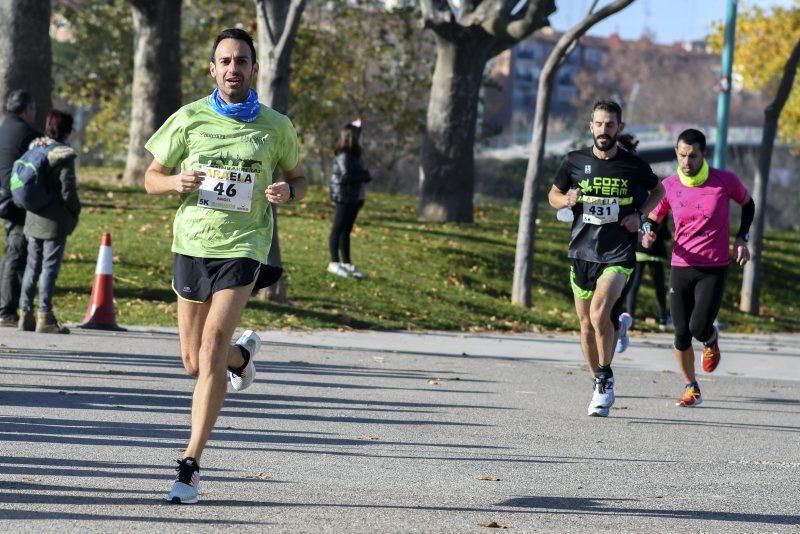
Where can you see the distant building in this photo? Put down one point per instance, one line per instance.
(510, 98)
(514, 79)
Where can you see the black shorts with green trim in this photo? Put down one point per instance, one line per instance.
(196, 279)
(584, 275)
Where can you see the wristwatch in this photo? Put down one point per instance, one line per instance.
(745, 237)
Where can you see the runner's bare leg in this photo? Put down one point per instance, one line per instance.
(223, 316)
(191, 319)
(588, 336)
(191, 323)
(609, 288)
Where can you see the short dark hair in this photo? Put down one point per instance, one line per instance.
(692, 137)
(608, 105)
(234, 33)
(18, 101)
(58, 125)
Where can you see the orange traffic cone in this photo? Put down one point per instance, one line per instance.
(100, 313)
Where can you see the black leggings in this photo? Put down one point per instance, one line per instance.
(339, 240)
(632, 289)
(696, 295)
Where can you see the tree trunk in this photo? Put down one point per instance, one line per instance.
(156, 87)
(278, 21)
(27, 58)
(526, 235)
(447, 163)
(524, 254)
(751, 280)
(467, 35)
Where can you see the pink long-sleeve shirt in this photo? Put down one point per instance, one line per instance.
(701, 218)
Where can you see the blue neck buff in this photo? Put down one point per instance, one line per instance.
(246, 111)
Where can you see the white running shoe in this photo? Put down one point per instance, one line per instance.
(353, 271)
(602, 397)
(625, 321)
(338, 269)
(250, 341)
(187, 484)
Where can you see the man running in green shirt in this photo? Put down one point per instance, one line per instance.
(224, 149)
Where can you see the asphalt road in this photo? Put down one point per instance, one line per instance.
(399, 432)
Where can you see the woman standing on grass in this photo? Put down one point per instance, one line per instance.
(348, 188)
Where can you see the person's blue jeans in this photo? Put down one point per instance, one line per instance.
(12, 268)
(44, 263)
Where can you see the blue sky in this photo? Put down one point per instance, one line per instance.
(670, 20)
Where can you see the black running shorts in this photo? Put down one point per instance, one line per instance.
(196, 279)
(583, 275)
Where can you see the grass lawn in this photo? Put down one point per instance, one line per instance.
(418, 275)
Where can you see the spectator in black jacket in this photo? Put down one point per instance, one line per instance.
(16, 133)
(348, 188)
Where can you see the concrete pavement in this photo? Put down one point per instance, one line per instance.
(399, 432)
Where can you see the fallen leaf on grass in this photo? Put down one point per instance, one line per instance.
(492, 524)
(487, 477)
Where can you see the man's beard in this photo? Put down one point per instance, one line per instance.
(612, 142)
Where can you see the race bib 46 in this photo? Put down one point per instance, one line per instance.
(227, 189)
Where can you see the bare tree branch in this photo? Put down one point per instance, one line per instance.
(296, 8)
(574, 43)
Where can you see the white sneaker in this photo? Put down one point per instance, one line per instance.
(250, 341)
(625, 321)
(187, 484)
(602, 397)
(337, 269)
(352, 270)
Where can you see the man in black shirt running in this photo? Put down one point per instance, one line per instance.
(598, 183)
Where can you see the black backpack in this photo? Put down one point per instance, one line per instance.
(28, 183)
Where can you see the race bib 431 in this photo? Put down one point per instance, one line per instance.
(227, 189)
(600, 210)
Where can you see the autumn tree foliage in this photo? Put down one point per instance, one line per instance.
(765, 39)
(357, 61)
(93, 65)
(767, 58)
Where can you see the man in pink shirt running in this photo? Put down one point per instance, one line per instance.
(698, 197)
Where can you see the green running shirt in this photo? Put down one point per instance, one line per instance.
(229, 217)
